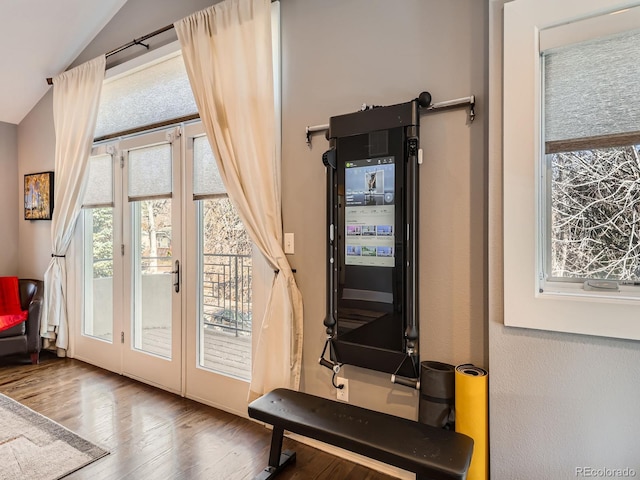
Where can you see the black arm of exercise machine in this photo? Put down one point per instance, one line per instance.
(329, 160)
(411, 202)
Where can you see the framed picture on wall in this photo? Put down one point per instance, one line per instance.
(38, 196)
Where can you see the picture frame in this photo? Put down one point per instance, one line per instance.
(38, 196)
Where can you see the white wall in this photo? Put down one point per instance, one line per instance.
(9, 199)
(557, 401)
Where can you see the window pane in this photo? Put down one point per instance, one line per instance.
(98, 273)
(150, 172)
(595, 214)
(225, 311)
(99, 190)
(206, 177)
(158, 92)
(153, 280)
(591, 88)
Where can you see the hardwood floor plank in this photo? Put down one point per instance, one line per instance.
(152, 434)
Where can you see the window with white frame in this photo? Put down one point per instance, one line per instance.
(571, 168)
(591, 161)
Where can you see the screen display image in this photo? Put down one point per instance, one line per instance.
(370, 212)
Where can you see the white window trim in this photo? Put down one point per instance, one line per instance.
(524, 304)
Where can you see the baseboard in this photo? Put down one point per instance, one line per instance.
(354, 457)
(224, 408)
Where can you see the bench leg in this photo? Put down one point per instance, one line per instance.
(277, 458)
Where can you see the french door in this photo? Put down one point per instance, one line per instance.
(220, 295)
(168, 294)
(131, 317)
(152, 306)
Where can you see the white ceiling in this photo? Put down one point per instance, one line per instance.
(39, 39)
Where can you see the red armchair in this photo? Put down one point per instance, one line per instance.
(25, 337)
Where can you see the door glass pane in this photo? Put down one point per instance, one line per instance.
(98, 273)
(152, 276)
(225, 316)
(206, 177)
(99, 191)
(150, 172)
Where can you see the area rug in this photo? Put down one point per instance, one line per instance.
(32, 447)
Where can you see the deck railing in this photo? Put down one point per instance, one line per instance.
(226, 288)
(226, 292)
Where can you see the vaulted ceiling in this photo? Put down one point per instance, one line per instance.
(39, 39)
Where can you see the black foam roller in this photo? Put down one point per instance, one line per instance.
(437, 394)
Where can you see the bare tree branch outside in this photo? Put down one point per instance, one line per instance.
(595, 214)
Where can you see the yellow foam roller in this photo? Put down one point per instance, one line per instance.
(472, 416)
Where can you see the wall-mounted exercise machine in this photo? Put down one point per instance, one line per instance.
(372, 237)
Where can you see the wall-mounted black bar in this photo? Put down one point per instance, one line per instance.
(432, 108)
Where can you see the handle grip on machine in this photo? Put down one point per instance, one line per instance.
(326, 363)
(407, 382)
(335, 367)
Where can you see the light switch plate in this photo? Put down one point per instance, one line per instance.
(288, 243)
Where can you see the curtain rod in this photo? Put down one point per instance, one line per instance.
(135, 41)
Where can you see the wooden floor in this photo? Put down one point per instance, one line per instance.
(152, 434)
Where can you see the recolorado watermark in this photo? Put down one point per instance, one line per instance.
(594, 472)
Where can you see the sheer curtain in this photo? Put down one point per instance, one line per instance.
(227, 53)
(76, 96)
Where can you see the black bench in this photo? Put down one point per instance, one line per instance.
(430, 452)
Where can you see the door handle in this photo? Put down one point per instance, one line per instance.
(176, 272)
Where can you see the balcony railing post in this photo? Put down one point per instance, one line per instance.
(228, 311)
